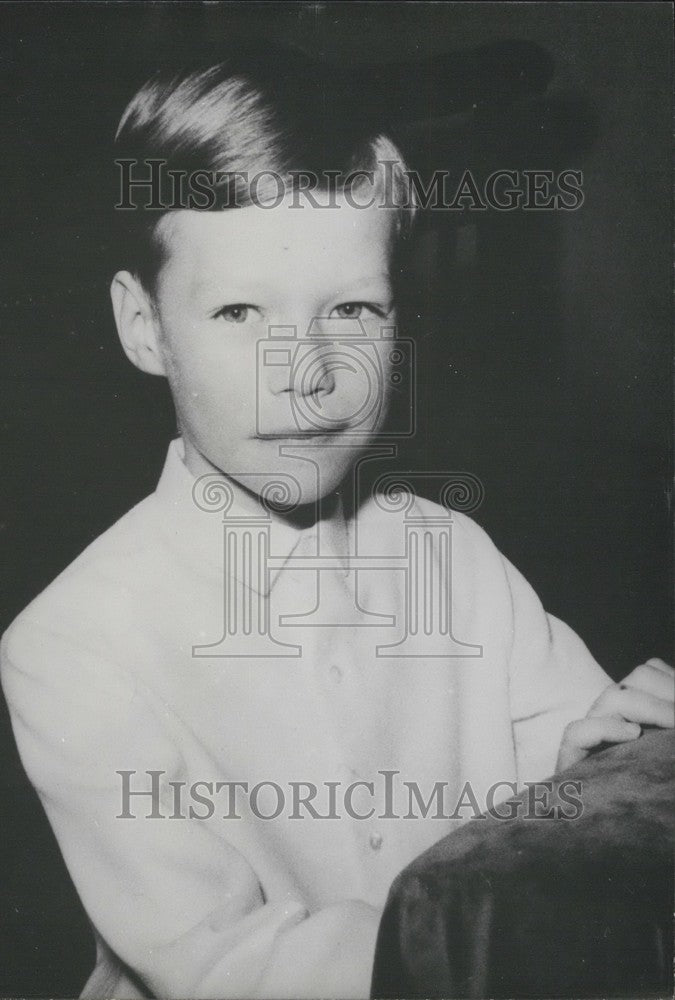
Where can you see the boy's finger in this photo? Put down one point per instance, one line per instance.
(652, 679)
(588, 733)
(582, 736)
(635, 705)
(654, 661)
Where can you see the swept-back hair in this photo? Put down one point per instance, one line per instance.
(256, 115)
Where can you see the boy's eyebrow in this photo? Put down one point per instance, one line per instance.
(360, 282)
(254, 288)
(214, 285)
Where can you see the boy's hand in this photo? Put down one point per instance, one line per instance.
(645, 697)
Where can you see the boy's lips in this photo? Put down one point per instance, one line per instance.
(296, 435)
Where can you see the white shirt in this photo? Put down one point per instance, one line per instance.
(117, 667)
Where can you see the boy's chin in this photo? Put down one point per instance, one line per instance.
(298, 485)
(293, 485)
(296, 477)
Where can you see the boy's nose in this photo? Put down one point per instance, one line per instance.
(313, 375)
(303, 369)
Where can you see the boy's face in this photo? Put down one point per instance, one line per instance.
(244, 390)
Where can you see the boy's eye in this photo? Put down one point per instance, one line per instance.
(237, 313)
(354, 310)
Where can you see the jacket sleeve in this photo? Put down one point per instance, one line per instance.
(553, 680)
(172, 899)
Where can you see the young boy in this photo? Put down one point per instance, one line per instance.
(221, 699)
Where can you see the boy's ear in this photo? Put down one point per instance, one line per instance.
(137, 325)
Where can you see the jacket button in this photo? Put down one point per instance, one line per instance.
(375, 841)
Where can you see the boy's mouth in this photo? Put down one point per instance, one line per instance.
(293, 434)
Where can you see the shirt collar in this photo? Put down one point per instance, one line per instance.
(195, 512)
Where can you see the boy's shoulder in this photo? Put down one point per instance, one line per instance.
(392, 513)
(112, 589)
(100, 585)
(419, 532)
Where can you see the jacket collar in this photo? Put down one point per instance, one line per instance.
(196, 511)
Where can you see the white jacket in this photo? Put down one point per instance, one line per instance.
(107, 672)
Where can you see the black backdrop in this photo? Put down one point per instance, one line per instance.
(543, 338)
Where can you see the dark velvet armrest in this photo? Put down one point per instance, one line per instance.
(533, 907)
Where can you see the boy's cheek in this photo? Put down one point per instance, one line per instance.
(204, 355)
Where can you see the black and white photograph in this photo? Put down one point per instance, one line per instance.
(337, 570)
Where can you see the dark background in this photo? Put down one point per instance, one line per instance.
(543, 338)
